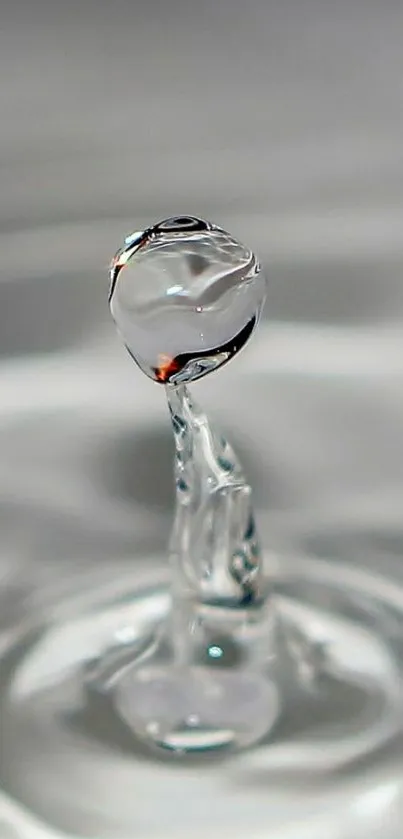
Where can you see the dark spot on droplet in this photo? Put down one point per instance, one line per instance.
(185, 221)
(197, 263)
(178, 423)
(249, 597)
(225, 464)
(177, 224)
(250, 530)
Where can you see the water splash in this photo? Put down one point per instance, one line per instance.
(186, 296)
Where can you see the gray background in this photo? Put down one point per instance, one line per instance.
(281, 121)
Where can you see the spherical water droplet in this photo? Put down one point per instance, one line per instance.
(185, 296)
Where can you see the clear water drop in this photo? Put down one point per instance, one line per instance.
(185, 296)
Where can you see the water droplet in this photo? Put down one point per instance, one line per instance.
(185, 296)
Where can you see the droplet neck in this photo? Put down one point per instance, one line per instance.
(214, 546)
(188, 367)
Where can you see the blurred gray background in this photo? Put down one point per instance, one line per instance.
(280, 120)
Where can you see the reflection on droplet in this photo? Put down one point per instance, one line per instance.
(215, 651)
(125, 635)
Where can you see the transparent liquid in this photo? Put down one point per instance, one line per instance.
(185, 296)
(73, 766)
